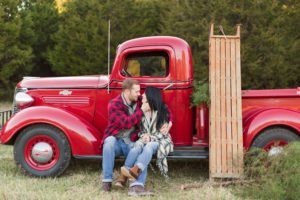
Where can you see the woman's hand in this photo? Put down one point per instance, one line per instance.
(146, 138)
(166, 128)
(145, 107)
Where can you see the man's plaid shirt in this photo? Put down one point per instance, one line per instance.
(119, 118)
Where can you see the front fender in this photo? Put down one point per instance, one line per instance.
(268, 118)
(84, 138)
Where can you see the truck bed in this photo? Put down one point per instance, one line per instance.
(255, 100)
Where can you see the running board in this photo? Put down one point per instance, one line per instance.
(189, 153)
(180, 153)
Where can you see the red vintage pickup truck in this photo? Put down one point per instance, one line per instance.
(56, 119)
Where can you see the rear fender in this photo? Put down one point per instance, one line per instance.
(83, 136)
(268, 118)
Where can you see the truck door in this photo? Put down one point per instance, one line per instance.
(151, 66)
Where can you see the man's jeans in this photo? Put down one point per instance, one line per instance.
(141, 155)
(114, 147)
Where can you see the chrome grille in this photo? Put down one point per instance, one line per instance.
(4, 116)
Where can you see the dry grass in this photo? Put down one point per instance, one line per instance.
(5, 106)
(82, 181)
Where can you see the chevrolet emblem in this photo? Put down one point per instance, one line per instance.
(65, 92)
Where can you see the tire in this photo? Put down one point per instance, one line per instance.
(274, 137)
(42, 151)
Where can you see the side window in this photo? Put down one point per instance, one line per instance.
(154, 64)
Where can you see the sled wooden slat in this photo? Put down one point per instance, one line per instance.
(239, 105)
(218, 106)
(228, 107)
(223, 107)
(212, 127)
(226, 141)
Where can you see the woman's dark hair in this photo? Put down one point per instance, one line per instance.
(155, 101)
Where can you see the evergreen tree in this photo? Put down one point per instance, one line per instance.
(35, 40)
(80, 43)
(190, 20)
(15, 56)
(269, 41)
(290, 40)
(44, 17)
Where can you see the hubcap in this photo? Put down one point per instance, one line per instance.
(42, 152)
(275, 151)
(275, 147)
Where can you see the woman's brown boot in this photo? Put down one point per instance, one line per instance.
(121, 181)
(132, 173)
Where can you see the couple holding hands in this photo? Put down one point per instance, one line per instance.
(138, 128)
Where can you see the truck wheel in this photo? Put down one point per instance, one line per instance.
(274, 139)
(42, 151)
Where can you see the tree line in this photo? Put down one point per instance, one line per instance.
(38, 40)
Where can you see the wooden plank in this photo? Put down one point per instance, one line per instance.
(218, 106)
(227, 36)
(223, 108)
(212, 149)
(233, 105)
(239, 107)
(228, 108)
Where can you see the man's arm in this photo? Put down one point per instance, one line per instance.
(119, 118)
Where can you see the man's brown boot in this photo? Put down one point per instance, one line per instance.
(121, 181)
(139, 190)
(106, 186)
(132, 173)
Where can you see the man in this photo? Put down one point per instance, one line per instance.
(124, 116)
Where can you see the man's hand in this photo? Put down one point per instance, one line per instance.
(146, 138)
(166, 128)
(145, 107)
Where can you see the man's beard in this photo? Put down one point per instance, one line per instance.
(132, 99)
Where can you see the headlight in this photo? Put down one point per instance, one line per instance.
(22, 100)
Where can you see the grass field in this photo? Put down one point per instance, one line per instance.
(5, 106)
(82, 181)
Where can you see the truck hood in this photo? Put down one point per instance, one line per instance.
(95, 81)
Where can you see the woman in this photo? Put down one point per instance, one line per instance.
(151, 139)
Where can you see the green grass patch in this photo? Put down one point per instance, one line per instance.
(274, 177)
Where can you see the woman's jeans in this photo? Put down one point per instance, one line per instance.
(141, 155)
(112, 148)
